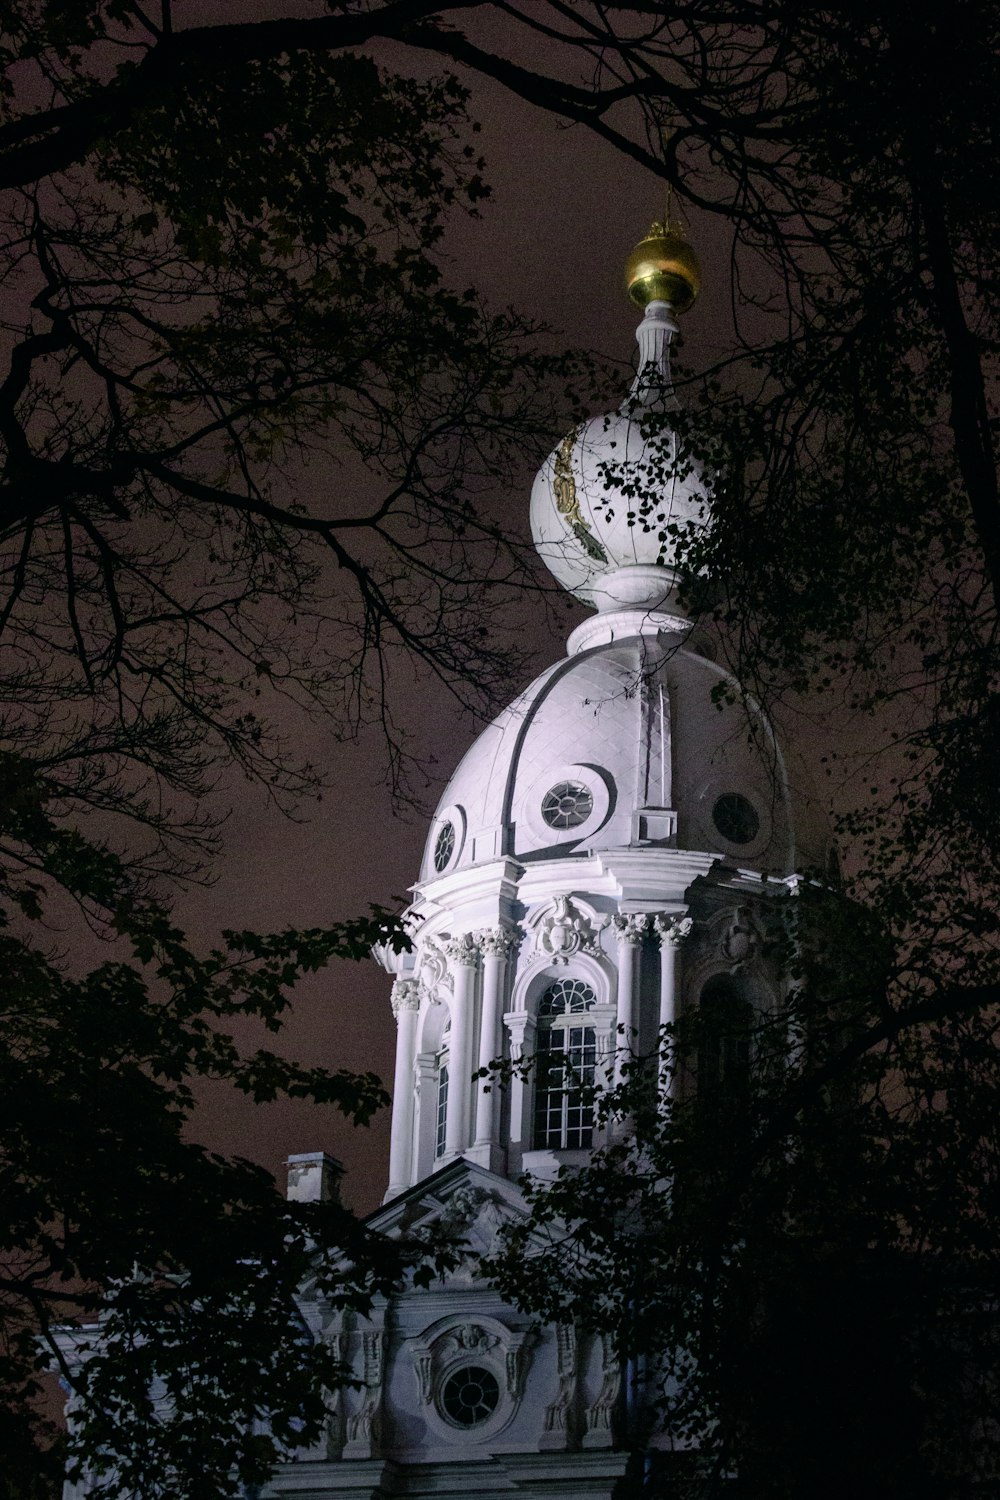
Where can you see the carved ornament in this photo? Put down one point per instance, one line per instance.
(631, 927)
(673, 930)
(433, 962)
(741, 939)
(464, 951)
(406, 995)
(499, 942)
(566, 931)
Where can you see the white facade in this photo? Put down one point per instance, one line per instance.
(604, 851)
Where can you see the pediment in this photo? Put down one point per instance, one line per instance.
(462, 1197)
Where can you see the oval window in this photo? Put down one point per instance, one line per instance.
(567, 804)
(444, 847)
(736, 818)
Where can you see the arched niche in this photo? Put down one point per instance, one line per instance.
(434, 1022)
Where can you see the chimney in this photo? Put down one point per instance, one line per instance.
(313, 1177)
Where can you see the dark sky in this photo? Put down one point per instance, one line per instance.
(564, 214)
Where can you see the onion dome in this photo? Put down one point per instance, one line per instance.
(617, 502)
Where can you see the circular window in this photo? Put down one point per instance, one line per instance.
(567, 805)
(444, 847)
(470, 1396)
(736, 818)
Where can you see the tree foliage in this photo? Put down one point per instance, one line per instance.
(789, 1229)
(158, 1277)
(248, 435)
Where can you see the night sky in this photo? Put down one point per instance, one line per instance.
(565, 212)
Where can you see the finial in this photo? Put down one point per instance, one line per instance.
(663, 268)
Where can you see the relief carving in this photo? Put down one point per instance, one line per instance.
(566, 931)
(631, 927)
(598, 1417)
(559, 1414)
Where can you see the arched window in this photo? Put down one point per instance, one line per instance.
(441, 1107)
(565, 1060)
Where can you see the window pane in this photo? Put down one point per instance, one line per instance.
(442, 1109)
(566, 1058)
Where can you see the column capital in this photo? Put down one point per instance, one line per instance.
(406, 995)
(630, 927)
(464, 951)
(672, 929)
(499, 942)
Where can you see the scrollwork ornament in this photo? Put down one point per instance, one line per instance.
(433, 961)
(566, 931)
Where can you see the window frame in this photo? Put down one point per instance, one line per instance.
(562, 1117)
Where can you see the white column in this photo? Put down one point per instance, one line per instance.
(521, 1033)
(464, 956)
(671, 931)
(629, 930)
(405, 1007)
(496, 944)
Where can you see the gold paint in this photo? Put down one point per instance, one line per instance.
(567, 500)
(663, 268)
(567, 503)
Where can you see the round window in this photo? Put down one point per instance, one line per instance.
(567, 805)
(736, 818)
(444, 847)
(470, 1396)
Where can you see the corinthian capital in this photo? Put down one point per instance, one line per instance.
(498, 942)
(405, 996)
(463, 951)
(672, 930)
(629, 928)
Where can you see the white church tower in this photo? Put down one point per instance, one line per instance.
(601, 858)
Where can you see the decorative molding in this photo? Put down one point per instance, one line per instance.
(422, 1366)
(566, 930)
(364, 1425)
(741, 938)
(521, 1033)
(598, 1417)
(433, 962)
(631, 927)
(337, 1344)
(463, 1208)
(672, 930)
(464, 951)
(559, 1413)
(406, 995)
(518, 1357)
(457, 1341)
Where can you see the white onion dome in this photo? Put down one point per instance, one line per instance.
(617, 502)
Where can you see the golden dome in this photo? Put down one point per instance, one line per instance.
(663, 268)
